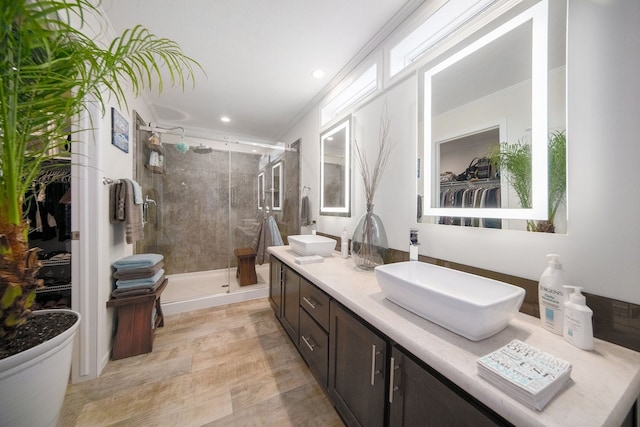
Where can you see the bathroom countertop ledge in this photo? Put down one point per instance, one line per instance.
(604, 382)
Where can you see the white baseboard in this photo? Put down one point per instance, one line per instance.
(213, 301)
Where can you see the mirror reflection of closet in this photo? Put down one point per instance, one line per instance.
(335, 170)
(276, 186)
(468, 155)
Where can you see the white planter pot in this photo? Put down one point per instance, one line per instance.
(33, 383)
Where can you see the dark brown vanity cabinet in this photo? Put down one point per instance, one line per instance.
(314, 329)
(284, 291)
(371, 381)
(291, 303)
(275, 285)
(357, 369)
(417, 397)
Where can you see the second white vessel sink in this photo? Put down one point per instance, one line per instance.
(472, 306)
(312, 244)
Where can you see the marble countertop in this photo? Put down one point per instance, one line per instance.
(604, 382)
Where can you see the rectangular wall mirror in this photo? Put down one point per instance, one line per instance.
(335, 169)
(276, 186)
(504, 90)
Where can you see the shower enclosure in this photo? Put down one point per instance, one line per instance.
(204, 198)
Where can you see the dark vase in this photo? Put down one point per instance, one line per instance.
(369, 244)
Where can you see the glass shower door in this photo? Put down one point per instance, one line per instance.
(208, 200)
(186, 216)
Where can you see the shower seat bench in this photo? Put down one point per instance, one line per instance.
(246, 266)
(136, 323)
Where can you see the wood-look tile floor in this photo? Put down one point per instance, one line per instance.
(226, 366)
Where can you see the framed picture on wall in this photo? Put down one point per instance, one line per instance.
(119, 131)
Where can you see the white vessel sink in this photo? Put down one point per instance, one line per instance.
(469, 305)
(312, 244)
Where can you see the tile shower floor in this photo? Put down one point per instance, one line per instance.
(202, 284)
(230, 365)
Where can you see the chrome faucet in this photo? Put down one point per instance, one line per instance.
(413, 245)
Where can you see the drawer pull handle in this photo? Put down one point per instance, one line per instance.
(310, 301)
(306, 341)
(374, 371)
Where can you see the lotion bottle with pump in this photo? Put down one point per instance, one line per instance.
(344, 243)
(552, 295)
(578, 329)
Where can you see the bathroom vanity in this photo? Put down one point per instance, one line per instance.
(382, 365)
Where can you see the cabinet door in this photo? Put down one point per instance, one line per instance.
(356, 369)
(418, 398)
(275, 285)
(291, 303)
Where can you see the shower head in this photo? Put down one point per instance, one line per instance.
(202, 149)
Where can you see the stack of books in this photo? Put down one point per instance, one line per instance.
(526, 373)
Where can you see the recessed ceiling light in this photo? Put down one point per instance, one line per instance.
(225, 119)
(318, 74)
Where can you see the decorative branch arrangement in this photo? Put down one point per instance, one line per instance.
(371, 177)
(369, 243)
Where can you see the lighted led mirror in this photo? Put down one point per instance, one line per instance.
(505, 89)
(335, 170)
(276, 186)
(260, 190)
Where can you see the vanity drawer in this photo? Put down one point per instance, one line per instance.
(314, 347)
(315, 302)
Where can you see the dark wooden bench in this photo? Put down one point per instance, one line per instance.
(246, 266)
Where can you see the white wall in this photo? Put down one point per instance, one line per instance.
(115, 164)
(602, 247)
(100, 242)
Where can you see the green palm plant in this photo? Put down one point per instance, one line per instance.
(49, 71)
(515, 161)
(557, 175)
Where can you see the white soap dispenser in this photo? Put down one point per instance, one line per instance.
(552, 295)
(578, 329)
(344, 243)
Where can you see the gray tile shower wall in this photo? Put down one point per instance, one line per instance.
(200, 205)
(207, 205)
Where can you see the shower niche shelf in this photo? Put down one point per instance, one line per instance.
(155, 169)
